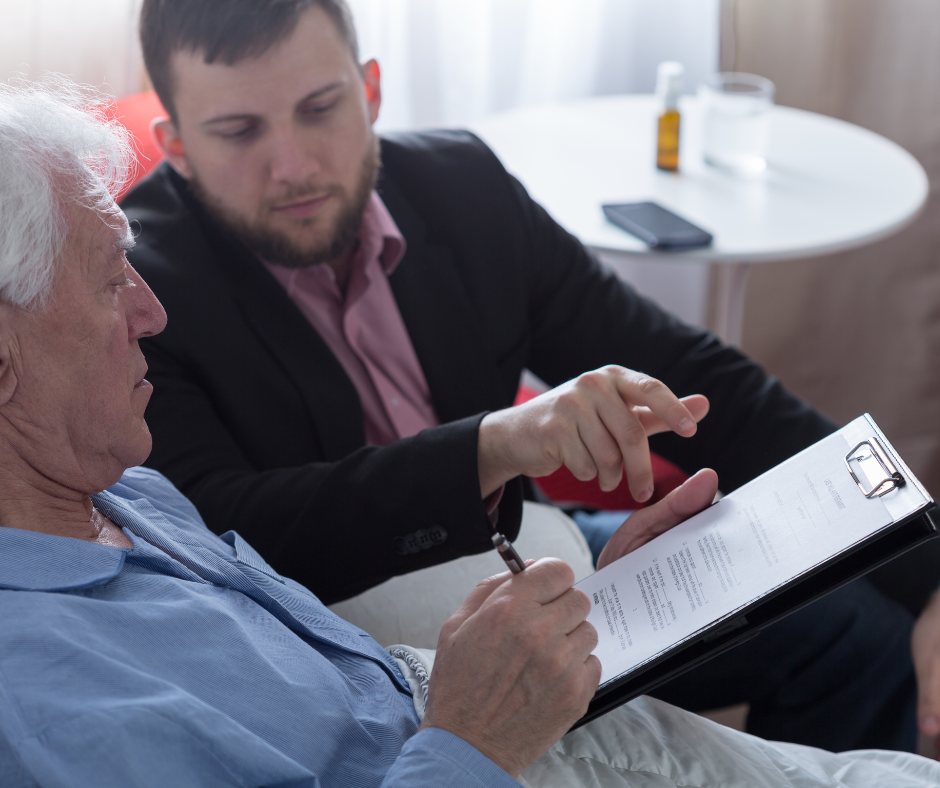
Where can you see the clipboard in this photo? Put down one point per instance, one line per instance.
(878, 472)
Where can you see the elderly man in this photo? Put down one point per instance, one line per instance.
(138, 648)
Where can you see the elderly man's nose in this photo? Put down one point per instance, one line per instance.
(146, 315)
(158, 316)
(291, 161)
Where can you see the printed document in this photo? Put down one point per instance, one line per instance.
(787, 521)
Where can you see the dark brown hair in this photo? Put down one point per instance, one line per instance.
(227, 31)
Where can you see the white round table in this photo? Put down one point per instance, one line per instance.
(829, 185)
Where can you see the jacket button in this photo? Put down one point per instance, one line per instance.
(399, 544)
(423, 539)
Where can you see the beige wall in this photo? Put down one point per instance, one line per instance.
(858, 331)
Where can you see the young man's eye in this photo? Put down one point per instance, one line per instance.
(316, 110)
(238, 132)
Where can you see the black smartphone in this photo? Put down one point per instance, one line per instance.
(657, 227)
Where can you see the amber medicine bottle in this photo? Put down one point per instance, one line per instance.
(668, 88)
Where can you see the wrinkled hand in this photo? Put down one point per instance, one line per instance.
(925, 647)
(596, 425)
(513, 669)
(689, 498)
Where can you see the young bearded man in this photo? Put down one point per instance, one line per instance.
(345, 341)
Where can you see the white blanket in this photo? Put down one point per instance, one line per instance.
(649, 744)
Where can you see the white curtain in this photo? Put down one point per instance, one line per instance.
(444, 62)
(93, 41)
(449, 62)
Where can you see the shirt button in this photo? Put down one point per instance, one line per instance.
(394, 402)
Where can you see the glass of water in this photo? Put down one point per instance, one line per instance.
(736, 121)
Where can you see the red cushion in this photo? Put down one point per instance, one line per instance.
(563, 488)
(135, 113)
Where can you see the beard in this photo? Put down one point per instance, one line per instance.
(276, 246)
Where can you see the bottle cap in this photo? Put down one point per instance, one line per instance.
(669, 82)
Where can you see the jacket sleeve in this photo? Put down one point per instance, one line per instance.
(338, 528)
(582, 316)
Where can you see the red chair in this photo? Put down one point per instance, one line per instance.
(564, 489)
(135, 113)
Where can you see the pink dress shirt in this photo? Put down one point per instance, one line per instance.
(365, 330)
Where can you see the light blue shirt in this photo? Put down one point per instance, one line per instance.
(189, 661)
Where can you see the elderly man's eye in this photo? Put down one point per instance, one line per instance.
(120, 281)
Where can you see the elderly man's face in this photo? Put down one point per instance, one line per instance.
(280, 147)
(77, 409)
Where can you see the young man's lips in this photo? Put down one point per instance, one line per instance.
(303, 208)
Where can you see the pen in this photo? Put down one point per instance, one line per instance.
(508, 553)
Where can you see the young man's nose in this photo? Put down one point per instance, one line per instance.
(290, 159)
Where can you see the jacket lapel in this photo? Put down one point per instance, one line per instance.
(443, 326)
(307, 362)
(330, 396)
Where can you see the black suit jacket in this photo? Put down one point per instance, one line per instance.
(256, 421)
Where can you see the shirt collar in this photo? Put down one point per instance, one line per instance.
(32, 561)
(377, 222)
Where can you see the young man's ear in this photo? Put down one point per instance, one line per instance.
(372, 79)
(164, 133)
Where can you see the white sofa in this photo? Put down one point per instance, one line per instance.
(412, 608)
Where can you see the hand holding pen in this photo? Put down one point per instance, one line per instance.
(521, 634)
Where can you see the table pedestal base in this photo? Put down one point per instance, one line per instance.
(682, 287)
(727, 317)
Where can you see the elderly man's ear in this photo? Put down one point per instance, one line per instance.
(164, 133)
(8, 379)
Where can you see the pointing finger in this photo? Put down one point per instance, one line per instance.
(635, 388)
(696, 404)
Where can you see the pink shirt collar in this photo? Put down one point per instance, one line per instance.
(365, 330)
(379, 230)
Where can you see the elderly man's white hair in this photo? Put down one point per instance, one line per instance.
(56, 146)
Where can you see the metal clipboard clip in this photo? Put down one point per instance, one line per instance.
(868, 453)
